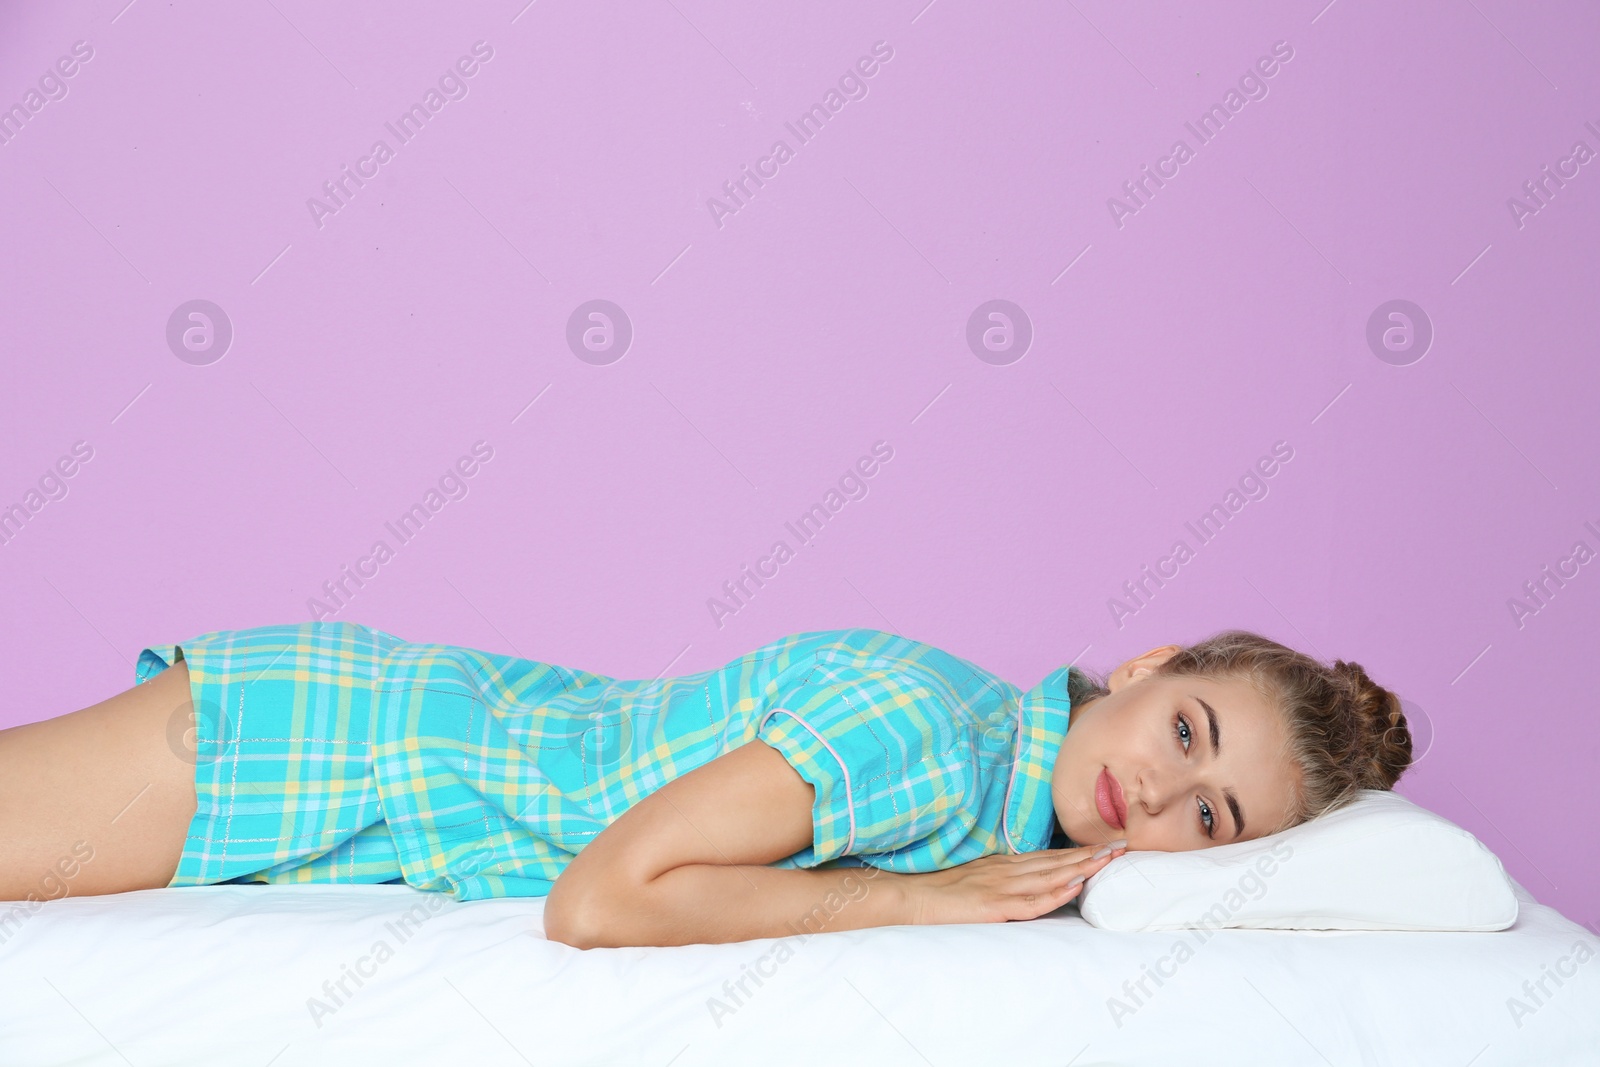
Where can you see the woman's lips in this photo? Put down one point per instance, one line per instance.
(1108, 798)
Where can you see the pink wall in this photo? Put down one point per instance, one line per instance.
(1173, 345)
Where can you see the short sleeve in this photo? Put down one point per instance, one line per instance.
(153, 660)
(883, 751)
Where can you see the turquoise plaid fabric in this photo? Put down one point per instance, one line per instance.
(483, 774)
(282, 717)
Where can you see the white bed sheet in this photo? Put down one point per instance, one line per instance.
(232, 975)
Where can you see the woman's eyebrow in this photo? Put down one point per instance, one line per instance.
(1216, 751)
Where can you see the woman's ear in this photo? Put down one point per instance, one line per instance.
(1141, 666)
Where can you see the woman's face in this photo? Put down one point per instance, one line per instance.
(1148, 744)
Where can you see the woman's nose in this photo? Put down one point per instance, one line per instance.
(1154, 791)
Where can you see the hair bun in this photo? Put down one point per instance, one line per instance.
(1385, 737)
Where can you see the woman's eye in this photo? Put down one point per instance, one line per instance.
(1208, 819)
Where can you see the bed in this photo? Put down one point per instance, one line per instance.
(288, 975)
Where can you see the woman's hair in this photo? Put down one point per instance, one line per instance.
(1345, 731)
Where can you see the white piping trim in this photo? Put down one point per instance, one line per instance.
(1005, 812)
(849, 793)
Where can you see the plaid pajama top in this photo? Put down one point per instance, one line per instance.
(489, 772)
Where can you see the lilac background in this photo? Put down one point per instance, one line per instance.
(830, 312)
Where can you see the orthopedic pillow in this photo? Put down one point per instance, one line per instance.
(1381, 863)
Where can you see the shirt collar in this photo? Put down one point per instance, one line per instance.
(1042, 719)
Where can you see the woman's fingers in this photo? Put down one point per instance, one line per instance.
(1028, 867)
(1040, 888)
(1056, 856)
(1001, 887)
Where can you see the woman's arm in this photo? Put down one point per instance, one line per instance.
(704, 903)
(687, 865)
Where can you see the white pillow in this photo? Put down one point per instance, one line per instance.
(1380, 863)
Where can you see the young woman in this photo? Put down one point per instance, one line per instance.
(830, 780)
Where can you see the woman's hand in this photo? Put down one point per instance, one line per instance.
(1002, 888)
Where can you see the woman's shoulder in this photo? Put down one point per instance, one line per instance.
(888, 663)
